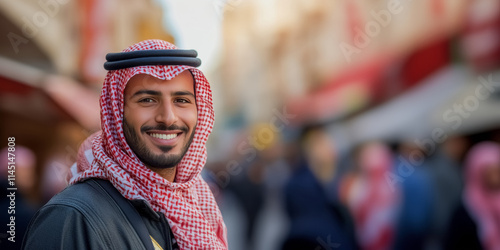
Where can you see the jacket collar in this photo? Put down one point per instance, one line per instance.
(144, 208)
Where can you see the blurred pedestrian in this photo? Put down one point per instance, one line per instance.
(444, 168)
(317, 217)
(476, 221)
(414, 221)
(370, 197)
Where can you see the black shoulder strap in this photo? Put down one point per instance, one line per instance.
(129, 211)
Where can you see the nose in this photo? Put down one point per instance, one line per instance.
(166, 114)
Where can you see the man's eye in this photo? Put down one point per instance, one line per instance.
(146, 100)
(182, 100)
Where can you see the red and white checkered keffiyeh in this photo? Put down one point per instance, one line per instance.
(187, 203)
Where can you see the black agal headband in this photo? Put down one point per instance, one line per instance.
(130, 59)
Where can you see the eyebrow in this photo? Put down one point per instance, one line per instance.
(158, 93)
(180, 93)
(147, 92)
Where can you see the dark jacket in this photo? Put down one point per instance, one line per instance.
(84, 216)
(316, 222)
(462, 231)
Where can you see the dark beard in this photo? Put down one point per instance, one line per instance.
(161, 161)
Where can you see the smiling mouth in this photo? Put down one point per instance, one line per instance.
(163, 136)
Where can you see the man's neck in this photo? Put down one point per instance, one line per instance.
(166, 173)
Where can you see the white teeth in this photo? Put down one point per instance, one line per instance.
(164, 136)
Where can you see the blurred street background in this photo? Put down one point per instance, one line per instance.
(340, 124)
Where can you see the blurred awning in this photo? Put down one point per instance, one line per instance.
(474, 109)
(349, 92)
(32, 93)
(79, 101)
(409, 115)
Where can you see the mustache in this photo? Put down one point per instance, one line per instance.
(164, 127)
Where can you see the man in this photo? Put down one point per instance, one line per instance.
(156, 116)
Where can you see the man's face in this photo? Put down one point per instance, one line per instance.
(159, 118)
